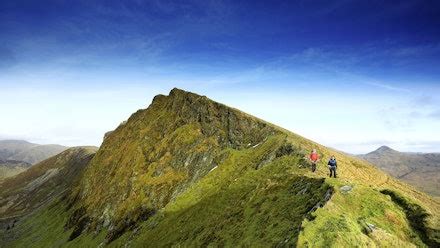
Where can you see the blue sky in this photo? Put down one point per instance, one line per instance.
(353, 75)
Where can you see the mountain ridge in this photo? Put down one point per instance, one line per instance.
(190, 117)
(189, 171)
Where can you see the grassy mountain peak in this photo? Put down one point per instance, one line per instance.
(160, 151)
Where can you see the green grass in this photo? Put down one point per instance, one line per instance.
(342, 222)
(233, 204)
(238, 205)
(44, 228)
(417, 218)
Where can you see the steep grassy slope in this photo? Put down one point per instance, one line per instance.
(419, 169)
(191, 172)
(41, 183)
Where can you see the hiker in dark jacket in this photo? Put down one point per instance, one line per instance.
(332, 165)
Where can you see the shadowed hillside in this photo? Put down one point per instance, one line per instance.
(41, 183)
(419, 169)
(190, 172)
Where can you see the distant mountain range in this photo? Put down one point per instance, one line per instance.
(419, 169)
(18, 155)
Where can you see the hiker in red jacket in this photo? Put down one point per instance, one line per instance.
(314, 158)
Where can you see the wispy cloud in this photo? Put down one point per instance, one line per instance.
(414, 51)
(339, 61)
(387, 87)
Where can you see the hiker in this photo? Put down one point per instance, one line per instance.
(314, 158)
(332, 165)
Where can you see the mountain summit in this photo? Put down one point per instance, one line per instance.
(191, 172)
(384, 149)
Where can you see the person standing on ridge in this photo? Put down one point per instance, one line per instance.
(314, 158)
(332, 165)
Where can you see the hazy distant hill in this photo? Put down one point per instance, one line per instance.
(38, 153)
(9, 148)
(18, 155)
(21, 150)
(419, 169)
